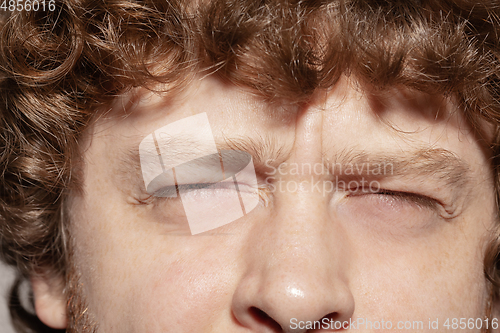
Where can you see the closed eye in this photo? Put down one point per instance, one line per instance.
(402, 197)
(172, 190)
(418, 199)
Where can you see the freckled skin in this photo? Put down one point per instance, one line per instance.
(305, 254)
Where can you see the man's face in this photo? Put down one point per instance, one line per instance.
(400, 245)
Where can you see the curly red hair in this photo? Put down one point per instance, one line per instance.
(57, 68)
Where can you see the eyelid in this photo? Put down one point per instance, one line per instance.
(419, 199)
(171, 191)
(153, 199)
(408, 197)
(168, 191)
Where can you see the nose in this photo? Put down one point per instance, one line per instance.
(295, 269)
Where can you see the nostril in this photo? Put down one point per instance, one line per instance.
(263, 318)
(332, 323)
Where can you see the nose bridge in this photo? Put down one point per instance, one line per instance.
(302, 224)
(300, 212)
(296, 270)
(308, 247)
(296, 260)
(300, 206)
(305, 241)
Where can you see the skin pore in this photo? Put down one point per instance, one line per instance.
(410, 251)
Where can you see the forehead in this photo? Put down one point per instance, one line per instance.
(352, 115)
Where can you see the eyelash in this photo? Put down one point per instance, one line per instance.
(404, 197)
(180, 188)
(152, 198)
(414, 198)
(200, 186)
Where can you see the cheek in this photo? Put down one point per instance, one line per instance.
(410, 264)
(183, 299)
(140, 276)
(406, 277)
(419, 289)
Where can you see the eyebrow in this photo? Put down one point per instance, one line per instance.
(438, 163)
(261, 149)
